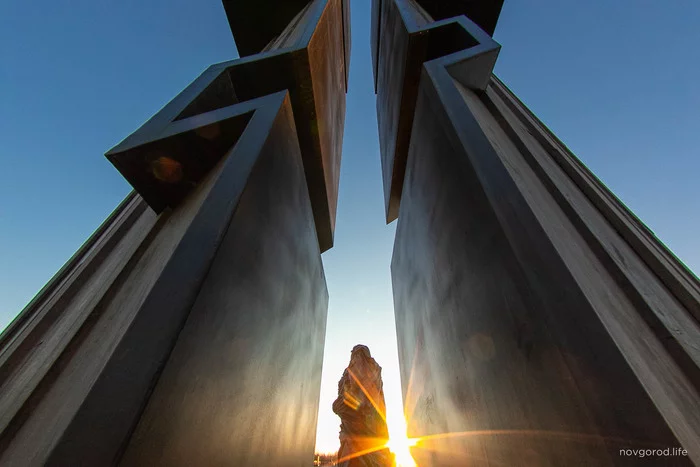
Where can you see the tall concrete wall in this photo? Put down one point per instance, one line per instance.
(538, 321)
(189, 329)
(243, 379)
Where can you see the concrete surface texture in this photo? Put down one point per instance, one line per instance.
(189, 329)
(538, 321)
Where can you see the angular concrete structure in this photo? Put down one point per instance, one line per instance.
(539, 322)
(189, 329)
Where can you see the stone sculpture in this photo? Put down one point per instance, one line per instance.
(361, 408)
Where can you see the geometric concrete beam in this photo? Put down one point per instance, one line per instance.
(189, 329)
(404, 37)
(165, 169)
(484, 13)
(84, 362)
(255, 24)
(539, 322)
(307, 58)
(244, 375)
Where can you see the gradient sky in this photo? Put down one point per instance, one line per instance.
(617, 81)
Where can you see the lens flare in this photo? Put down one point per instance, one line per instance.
(167, 170)
(400, 447)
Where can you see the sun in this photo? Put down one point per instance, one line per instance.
(399, 446)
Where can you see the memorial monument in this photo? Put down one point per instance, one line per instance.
(539, 322)
(362, 411)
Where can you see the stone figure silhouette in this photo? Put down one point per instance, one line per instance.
(361, 408)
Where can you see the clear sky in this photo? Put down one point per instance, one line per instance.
(617, 81)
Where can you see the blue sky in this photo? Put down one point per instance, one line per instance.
(617, 81)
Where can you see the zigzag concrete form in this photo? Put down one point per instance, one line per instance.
(207, 281)
(539, 322)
